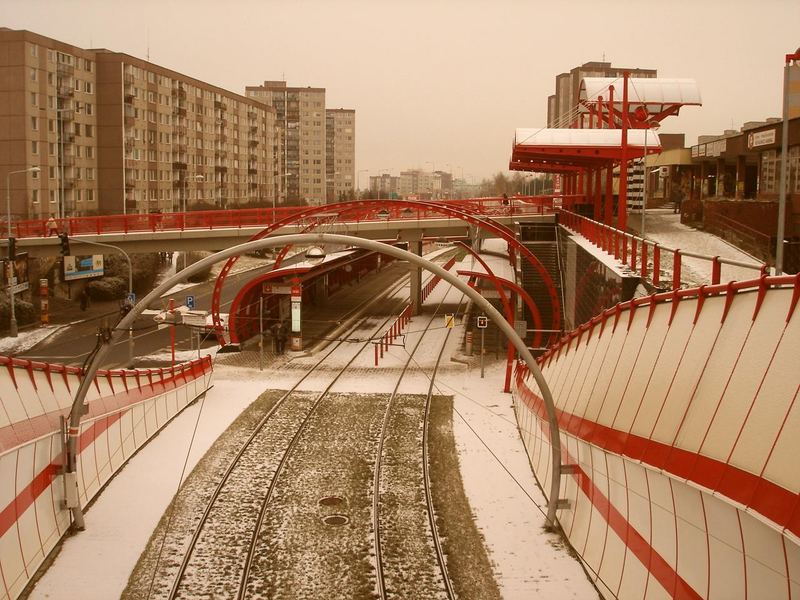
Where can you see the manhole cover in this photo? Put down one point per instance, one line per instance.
(332, 501)
(336, 520)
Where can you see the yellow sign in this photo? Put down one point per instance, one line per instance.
(450, 321)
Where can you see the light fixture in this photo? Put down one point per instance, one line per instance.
(315, 254)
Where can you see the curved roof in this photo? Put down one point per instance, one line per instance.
(655, 92)
(606, 138)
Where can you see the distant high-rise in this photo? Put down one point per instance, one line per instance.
(340, 154)
(300, 118)
(561, 105)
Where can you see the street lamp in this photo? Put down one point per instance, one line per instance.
(12, 325)
(186, 189)
(284, 192)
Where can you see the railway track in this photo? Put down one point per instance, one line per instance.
(400, 549)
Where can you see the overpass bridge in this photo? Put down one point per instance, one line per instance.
(216, 230)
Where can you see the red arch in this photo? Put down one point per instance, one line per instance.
(370, 205)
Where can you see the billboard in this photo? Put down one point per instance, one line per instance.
(19, 280)
(83, 267)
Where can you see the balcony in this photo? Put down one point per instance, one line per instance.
(65, 91)
(66, 115)
(67, 161)
(129, 121)
(220, 168)
(65, 69)
(221, 154)
(179, 164)
(129, 183)
(129, 92)
(220, 105)
(68, 137)
(179, 109)
(253, 129)
(253, 143)
(178, 91)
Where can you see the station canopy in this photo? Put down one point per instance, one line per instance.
(657, 95)
(565, 150)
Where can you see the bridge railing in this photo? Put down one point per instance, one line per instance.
(661, 265)
(254, 217)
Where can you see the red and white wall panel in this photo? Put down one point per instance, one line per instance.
(126, 408)
(683, 418)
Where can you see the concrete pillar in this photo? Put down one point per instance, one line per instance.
(720, 178)
(703, 180)
(741, 169)
(414, 239)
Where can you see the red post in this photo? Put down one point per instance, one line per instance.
(172, 329)
(633, 254)
(644, 259)
(624, 240)
(676, 270)
(716, 270)
(656, 265)
(608, 217)
(376, 353)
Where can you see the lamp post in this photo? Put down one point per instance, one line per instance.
(791, 59)
(186, 190)
(284, 193)
(358, 179)
(12, 324)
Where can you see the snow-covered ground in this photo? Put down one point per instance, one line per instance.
(27, 339)
(666, 229)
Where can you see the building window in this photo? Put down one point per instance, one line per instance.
(35, 196)
(89, 88)
(88, 131)
(53, 196)
(89, 195)
(90, 173)
(51, 172)
(89, 151)
(35, 123)
(33, 74)
(34, 147)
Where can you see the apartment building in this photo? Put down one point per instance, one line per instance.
(384, 186)
(48, 119)
(301, 121)
(426, 185)
(340, 136)
(186, 144)
(561, 105)
(114, 134)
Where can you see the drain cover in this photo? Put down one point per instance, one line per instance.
(336, 520)
(332, 501)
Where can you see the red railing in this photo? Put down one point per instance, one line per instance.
(255, 217)
(393, 332)
(643, 256)
(434, 281)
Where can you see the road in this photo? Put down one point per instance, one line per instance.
(71, 345)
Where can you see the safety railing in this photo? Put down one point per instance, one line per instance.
(254, 217)
(434, 281)
(647, 258)
(394, 331)
(751, 240)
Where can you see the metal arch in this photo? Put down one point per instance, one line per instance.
(79, 408)
(441, 208)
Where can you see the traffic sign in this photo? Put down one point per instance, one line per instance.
(483, 322)
(450, 321)
(190, 302)
(132, 298)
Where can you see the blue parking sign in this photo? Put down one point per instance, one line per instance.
(190, 302)
(132, 298)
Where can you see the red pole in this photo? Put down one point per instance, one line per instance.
(608, 217)
(633, 254)
(656, 265)
(644, 259)
(172, 330)
(676, 270)
(716, 270)
(622, 204)
(376, 353)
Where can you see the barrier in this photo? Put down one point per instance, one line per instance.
(679, 416)
(126, 408)
(395, 329)
(636, 252)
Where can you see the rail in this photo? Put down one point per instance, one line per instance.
(645, 256)
(751, 240)
(255, 217)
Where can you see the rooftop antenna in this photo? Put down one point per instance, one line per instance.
(148, 44)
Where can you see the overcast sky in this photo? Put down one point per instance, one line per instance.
(445, 83)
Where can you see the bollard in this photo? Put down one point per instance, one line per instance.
(375, 346)
(468, 344)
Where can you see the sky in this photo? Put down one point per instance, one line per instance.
(443, 84)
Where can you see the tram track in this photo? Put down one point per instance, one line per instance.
(228, 516)
(400, 549)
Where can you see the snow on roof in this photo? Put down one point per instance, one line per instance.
(653, 91)
(583, 137)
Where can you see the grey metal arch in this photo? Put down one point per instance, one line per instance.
(79, 409)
